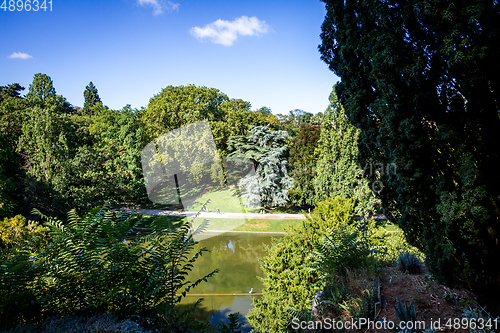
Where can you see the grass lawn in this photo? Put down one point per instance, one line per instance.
(227, 200)
(264, 225)
(391, 227)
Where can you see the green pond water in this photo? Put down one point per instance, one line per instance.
(236, 255)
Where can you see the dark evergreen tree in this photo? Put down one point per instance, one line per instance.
(91, 98)
(11, 90)
(421, 80)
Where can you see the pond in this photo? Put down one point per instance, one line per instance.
(236, 255)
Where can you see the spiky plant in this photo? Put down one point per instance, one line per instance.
(406, 314)
(409, 262)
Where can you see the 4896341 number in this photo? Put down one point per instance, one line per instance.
(26, 5)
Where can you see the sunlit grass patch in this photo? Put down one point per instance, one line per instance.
(228, 200)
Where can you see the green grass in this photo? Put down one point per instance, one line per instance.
(391, 227)
(227, 200)
(259, 225)
(274, 225)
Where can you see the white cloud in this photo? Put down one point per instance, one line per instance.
(225, 32)
(159, 5)
(20, 55)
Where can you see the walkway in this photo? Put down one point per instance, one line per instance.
(211, 215)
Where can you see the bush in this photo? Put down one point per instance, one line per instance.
(339, 252)
(289, 284)
(391, 245)
(96, 264)
(16, 232)
(335, 214)
(408, 262)
(297, 265)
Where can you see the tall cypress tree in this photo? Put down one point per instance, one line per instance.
(337, 169)
(91, 98)
(421, 79)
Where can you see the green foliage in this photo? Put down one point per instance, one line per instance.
(391, 245)
(16, 232)
(334, 214)
(303, 165)
(337, 171)
(237, 120)
(45, 140)
(96, 264)
(7, 185)
(406, 314)
(339, 252)
(91, 97)
(175, 107)
(41, 91)
(409, 262)
(420, 81)
(288, 283)
(344, 261)
(116, 171)
(267, 150)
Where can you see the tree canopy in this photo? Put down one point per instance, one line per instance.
(91, 97)
(41, 90)
(175, 107)
(337, 170)
(267, 149)
(421, 79)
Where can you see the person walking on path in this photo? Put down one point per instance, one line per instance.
(218, 211)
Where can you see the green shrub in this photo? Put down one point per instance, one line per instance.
(345, 264)
(289, 285)
(408, 262)
(391, 245)
(335, 214)
(16, 231)
(297, 266)
(339, 252)
(96, 264)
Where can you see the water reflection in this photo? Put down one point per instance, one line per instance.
(236, 255)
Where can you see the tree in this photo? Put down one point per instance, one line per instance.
(237, 120)
(289, 283)
(12, 112)
(175, 107)
(46, 146)
(337, 170)
(11, 90)
(265, 111)
(41, 90)
(109, 166)
(7, 202)
(91, 98)
(421, 80)
(303, 165)
(267, 150)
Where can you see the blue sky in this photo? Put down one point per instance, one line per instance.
(264, 52)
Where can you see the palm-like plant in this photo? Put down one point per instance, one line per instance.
(99, 263)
